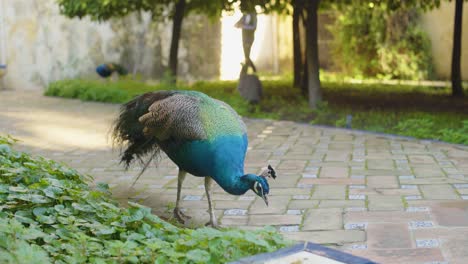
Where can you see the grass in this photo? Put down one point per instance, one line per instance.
(411, 110)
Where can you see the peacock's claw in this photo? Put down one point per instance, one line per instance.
(180, 216)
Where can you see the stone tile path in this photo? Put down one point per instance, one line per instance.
(390, 199)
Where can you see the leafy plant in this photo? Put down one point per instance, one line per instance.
(416, 127)
(49, 214)
(377, 40)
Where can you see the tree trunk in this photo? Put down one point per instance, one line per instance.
(315, 94)
(457, 89)
(297, 53)
(176, 29)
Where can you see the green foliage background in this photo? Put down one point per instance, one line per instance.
(374, 40)
(374, 106)
(49, 214)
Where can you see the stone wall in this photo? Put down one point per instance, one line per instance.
(43, 46)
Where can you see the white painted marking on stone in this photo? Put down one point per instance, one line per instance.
(406, 177)
(413, 197)
(409, 186)
(294, 228)
(192, 198)
(357, 197)
(357, 186)
(356, 226)
(417, 209)
(235, 211)
(301, 197)
(420, 224)
(427, 243)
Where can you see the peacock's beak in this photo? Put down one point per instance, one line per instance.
(265, 198)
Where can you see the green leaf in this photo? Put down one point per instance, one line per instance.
(82, 207)
(198, 256)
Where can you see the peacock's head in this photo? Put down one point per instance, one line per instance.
(260, 183)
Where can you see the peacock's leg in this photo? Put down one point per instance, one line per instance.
(208, 183)
(181, 217)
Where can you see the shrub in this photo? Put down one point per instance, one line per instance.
(374, 41)
(49, 214)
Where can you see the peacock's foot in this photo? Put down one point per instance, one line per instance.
(181, 217)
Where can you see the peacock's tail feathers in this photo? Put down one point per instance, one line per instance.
(128, 133)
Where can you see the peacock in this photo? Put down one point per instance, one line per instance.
(203, 136)
(106, 70)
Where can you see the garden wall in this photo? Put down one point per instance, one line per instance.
(42, 46)
(439, 26)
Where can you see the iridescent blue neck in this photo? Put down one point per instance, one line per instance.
(236, 185)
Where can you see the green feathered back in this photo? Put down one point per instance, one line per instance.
(174, 116)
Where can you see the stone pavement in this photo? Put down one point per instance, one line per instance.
(390, 199)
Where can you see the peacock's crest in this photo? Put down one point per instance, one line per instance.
(269, 172)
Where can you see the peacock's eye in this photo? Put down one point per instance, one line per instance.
(259, 189)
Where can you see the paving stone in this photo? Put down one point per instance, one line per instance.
(384, 203)
(421, 159)
(440, 191)
(451, 213)
(333, 172)
(262, 220)
(428, 172)
(373, 164)
(341, 203)
(398, 192)
(246, 198)
(441, 180)
(292, 165)
(232, 204)
(284, 191)
(418, 255)
(325, 181)
(386, 217)
(328, 237)
(382, 182)
(276, 205)
(234, 220)
(329, 192)
(388, 235)
(323, 219)
(337, 156)
(454, 247)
